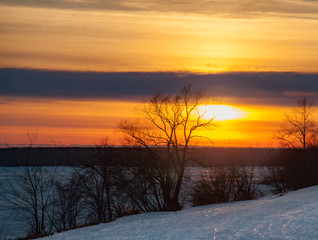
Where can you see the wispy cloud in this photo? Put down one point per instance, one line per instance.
(261, 88)
(234, 8)
(167, 36)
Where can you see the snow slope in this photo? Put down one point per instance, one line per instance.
(292, 216)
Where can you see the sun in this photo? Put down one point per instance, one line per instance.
(221, 112)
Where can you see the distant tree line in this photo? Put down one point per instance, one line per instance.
(126, 156)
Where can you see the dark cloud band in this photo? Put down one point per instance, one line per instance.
(263, 86)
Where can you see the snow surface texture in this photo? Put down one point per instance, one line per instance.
(291, 216)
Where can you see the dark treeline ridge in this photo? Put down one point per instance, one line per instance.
(127, 156)
(61, 156)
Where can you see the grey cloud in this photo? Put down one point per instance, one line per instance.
(261, 88)
(234, 8)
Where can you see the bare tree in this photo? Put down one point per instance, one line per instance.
(29, 191)
(246, 183)
(298, 129)
(238, 179)
(140, 185)
(297, 166)
(67, 204)
(97, 177)
(106, 168)
(169, 125)
(216, 185)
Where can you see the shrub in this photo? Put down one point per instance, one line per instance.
(225, 184)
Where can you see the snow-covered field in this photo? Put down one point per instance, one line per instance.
(291, 216)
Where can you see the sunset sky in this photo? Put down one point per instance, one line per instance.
(73, 69)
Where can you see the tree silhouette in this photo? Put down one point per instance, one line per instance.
(168, 126)
(298, 129)
(29, 191)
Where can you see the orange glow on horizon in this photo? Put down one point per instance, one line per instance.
(67, 122)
